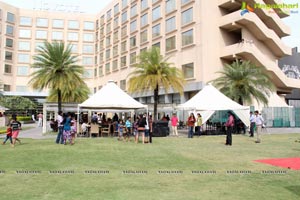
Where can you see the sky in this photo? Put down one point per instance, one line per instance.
(94, 6)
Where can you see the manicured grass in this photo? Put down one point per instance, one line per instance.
(165, 155)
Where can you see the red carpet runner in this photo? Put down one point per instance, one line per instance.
(290, 163)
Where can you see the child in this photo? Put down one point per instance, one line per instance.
(128, 128)
(121, 129)
(73, 130)
(8, 134)
(135, 130)
(15, 126)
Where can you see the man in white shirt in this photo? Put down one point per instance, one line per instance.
(59, 120)
(252, 124)
(258, 122)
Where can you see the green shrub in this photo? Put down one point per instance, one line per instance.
(24, 118)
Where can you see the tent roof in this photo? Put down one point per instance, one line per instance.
(209, 98)
(111, 96)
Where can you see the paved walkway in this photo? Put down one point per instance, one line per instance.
(36, 132)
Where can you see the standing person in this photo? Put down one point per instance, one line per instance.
(8, 135)
(128, 127)
(33, 117)
(174, 122)
(191, 124)
(141, 128)
(252, 124)
(67, 129)
(15, 126)
(199, 124)
(59, 119)
(135, 130)
(258, 122)
(40, 120)
(229, 125)
(150, 122)
(73, 129)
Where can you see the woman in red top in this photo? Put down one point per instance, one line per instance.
(191, 123)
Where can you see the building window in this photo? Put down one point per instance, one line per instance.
(170, 24)
(8, 55)
(156, 13)
(161, 99)
(72, 24)
(115, 65)
(123, 47)
(144, 4)
(170, 5)
(156, 31)
(108, 28)
(41, 35)
(171, 43)
(116, 9)
(25, 21)
(124, 31)
(188, 70)
(7, 69)
(21, 88)
(88, 26)
(124, 16)
(95, 74)
(74, 48)
(108, 41)
(116, 36)
(133, 42)
(25, 33)
(185, 1)
(10, 17)
(187, 16)
(124, 3)
(88, 73)
(100, 71)
(154, 1)
(39, 45)
(88, 49)
(57, 23)
(144, 36)
(123, 61)
(88, 37)
(115, 50)
(24, 46)
(116, 22)
(101, 32)
(9, 42)
(73, 36)
(144, 20)
(22, 70)
(57, 35)
(133, 26)
(133, 11)
(132, 58)
(42, 22)
(9, 30)
(187, 38)
(23, 58)
(107, 54)
(108, 15)
(156, 45)
(107, 68)
(6, 88)
(87, 60)
(123, 84)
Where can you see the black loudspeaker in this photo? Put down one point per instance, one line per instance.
(160, 129)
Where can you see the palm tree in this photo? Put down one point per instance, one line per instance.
(242, 81)
(152, 71)
(56, 69)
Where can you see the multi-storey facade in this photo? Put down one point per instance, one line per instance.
(198, 36)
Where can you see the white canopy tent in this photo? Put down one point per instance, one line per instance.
(111, 97)
(209, 100)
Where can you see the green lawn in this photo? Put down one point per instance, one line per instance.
(109, 158)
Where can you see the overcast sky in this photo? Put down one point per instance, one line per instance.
(94, 6)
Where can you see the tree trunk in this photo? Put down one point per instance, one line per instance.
(240, 101)
(155, 103)
(59, 100)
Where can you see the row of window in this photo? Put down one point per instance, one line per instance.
(56, 23)
(144, 4)
(187, 38)
(26, 46)
(186, 18)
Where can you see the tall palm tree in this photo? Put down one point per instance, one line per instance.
(152, 71)
(242, 81)
(56, 69)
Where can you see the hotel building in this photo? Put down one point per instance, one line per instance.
(199, 37)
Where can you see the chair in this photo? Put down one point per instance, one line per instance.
(105, 130)
(94, 129)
